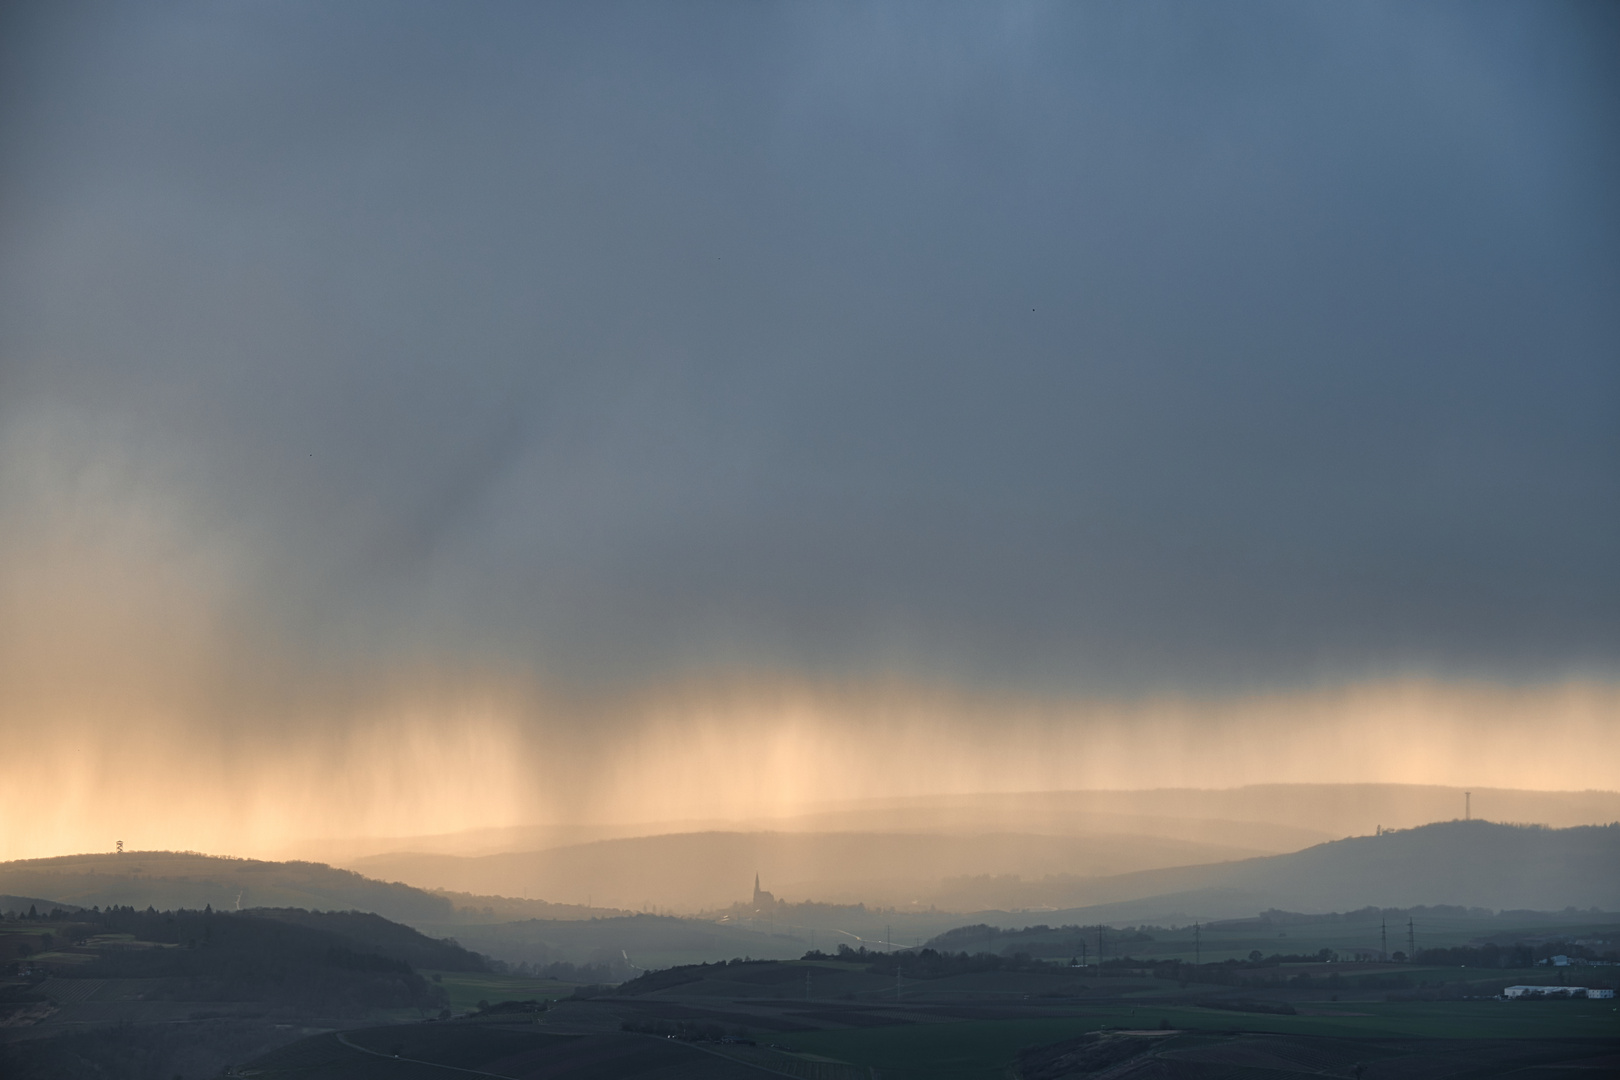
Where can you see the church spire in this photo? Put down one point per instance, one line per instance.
(762, 899)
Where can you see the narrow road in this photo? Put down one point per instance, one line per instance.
(759, 1066)
(419, 1061)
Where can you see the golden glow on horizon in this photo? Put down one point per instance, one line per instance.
(749, 752)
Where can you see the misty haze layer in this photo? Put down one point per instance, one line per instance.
(416, 418)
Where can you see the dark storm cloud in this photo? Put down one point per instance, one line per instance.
(1092, 345)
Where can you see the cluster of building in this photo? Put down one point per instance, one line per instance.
(1574, 961)
(1557, 991)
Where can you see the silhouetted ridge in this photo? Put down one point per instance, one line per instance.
(176, 880)
(334, 964)
(379, 935)
(1465, 863)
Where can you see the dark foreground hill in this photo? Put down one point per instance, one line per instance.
(375, 934)
(127, 993)
(854, 1016)
(135, 1002)
(171, 880)
(1473, 864)
(325, 963)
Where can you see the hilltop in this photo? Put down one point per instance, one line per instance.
(174, 880)
(1475, 864)
(1268, 819)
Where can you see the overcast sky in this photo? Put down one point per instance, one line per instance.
(1073, 347)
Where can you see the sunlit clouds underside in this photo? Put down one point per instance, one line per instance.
(145, 706)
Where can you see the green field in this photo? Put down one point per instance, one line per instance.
(986, 1047)
(466, 989)
(909, 1042)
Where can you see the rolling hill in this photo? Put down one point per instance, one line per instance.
(711, 870)
(112, 993)
(1267, 819)
(169, 880)
(1470, 864)
(1476, 864)
(958, 852)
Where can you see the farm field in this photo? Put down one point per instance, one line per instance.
(753, 1019)
(982, 1047)
(465, 989)
(958, 1050)
(103, 997)
(430, 1052)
